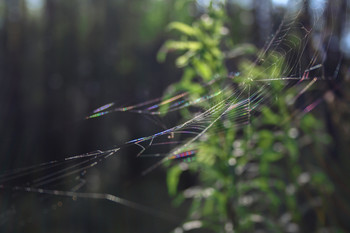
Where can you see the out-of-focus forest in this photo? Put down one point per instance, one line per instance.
(61, 59)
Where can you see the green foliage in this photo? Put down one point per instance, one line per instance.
(199, 46)
(250, 178)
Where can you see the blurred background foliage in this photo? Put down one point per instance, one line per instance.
(264, 178)
(286, 172)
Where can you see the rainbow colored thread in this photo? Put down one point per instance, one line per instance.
(183, 154)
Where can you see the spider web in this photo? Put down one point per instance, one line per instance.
(240, 98)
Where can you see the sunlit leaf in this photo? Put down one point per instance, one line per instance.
(184, 28)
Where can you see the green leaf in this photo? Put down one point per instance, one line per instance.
(209, 206)
(308, 122)
(266, 139)
(173, 177)
(183, 45)
(184, 28)
(270, 117)
(183, 60)
(177, 45)
(272, 156)
(203, 69)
